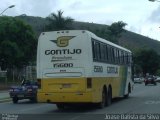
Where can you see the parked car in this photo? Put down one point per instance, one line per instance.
(27, 90)
(138, 80)
(157, 79)
(150, 80)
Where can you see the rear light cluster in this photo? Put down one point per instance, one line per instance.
(89, 82)
(39, 83)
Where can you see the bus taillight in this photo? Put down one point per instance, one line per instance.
(89, 82)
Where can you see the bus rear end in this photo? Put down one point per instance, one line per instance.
(61, 62)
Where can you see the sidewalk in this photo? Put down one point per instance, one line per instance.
(4, 96)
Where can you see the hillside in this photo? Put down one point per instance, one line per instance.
(136, 41)
(130, 40)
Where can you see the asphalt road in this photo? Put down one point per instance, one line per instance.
(143, 100)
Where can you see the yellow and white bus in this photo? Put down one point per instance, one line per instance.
(76, 66)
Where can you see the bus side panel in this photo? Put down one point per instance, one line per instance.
(100, 82)
(118, 84)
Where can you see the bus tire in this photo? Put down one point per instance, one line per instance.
(109, 97)
(102, 104)
(60, 106)
(129, 91)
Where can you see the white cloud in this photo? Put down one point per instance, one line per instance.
(142, 16)
(155, 15)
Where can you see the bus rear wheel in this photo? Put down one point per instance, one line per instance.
(102, 104)
(129, 91)
(109, 97)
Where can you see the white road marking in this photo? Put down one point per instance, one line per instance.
(152, 102)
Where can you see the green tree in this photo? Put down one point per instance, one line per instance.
(115, 30)
(17, 43)
(148, 60)
(58, 22)
(111, 33)
(158, 72)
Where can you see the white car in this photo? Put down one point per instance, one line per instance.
(138, 80)
(158, 79)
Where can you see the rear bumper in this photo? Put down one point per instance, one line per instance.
(66, 97)
(23, 95)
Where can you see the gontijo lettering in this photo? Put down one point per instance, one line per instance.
(63, 51)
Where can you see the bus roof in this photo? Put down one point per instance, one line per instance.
(91, 35)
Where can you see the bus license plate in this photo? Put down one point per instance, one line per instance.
(66, 85)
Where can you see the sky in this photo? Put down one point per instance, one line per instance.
(141, 16)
